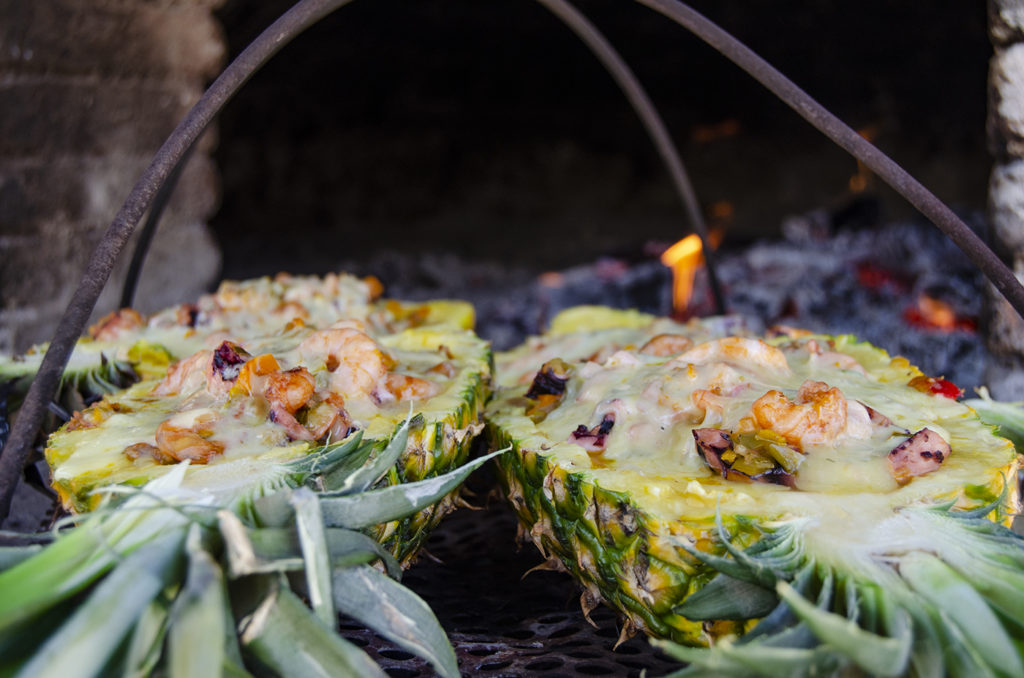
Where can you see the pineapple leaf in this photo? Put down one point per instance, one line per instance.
(875, 654)
(727, 598)
(313, 540)
(940, 585)
(367, 475)
(12, 555)
(396, 613)
(86, 641)
(289, 640)
(394, 502)
(264, 550)
(201, 637)
(143, 650)
(744, 661)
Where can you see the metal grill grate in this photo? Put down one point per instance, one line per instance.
(500, 623)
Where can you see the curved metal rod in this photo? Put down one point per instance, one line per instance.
(300, 17)
(655, 126)
(839, 132)
(156, 210)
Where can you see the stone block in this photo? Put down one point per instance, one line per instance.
(1006, 204)
(63, 117)
(1006, 21)
(1006, 109)
(143, 40)
(71, 189)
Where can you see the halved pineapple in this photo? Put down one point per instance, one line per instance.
(686, 487)
(281, 398)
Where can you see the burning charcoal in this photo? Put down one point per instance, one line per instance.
(594, 439)
(228, 360)
(922, 453)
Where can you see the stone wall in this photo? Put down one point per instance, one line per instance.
(89, 89)
(1006, 187)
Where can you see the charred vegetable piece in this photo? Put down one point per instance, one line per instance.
(749, 465)
(548, 388)
(594, 439)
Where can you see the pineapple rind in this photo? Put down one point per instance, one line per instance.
(434, 449)
(605, 541)
(571, 517)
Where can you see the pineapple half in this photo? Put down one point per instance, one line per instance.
(698, 483)
(231, 410)
(125, 346)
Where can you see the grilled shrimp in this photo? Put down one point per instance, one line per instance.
(833, 358)
(356, 363)
(218, 369)
(818, 416)
(666, 345)
(739, 350)
(185, 436)
(286, 392)
(112, 325)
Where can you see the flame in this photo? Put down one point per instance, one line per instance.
(683, 258)
(861, 181)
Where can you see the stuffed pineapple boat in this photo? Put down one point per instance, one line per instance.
(323, 454)
(125, 346)
(697, 484)
(230, 409)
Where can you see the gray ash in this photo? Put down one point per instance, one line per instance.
(865, 282)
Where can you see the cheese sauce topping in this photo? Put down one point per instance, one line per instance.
(738, 419)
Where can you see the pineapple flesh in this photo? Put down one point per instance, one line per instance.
(696, 482)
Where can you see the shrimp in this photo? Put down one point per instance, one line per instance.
(218, 369)
(113, 325)
(356, 363)
(186, 436)
(185, 375)
(737, 350)
(286, 392)
(833, 358)
(817, 418)
(405, 387)
(666, 345)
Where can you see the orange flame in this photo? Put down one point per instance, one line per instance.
(683, 258)
(862, 180)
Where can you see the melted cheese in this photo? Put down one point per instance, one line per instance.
(650, 452)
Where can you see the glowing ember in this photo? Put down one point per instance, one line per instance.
(683, 258)
(936, 314)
